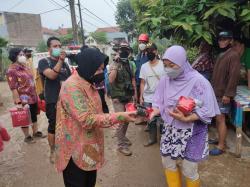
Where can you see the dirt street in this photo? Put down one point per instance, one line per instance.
(23, 165)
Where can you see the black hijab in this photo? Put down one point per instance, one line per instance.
(13, 53)
(89, 60)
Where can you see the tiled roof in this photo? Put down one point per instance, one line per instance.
(108, 29)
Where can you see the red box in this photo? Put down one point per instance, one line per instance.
(130, 107)
(20, 117)
(186, 105)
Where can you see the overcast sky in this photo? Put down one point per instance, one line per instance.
(104, 9)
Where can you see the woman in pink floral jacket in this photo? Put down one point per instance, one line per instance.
(79, 134)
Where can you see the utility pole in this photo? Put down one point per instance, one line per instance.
(82, 31)
(73, 20)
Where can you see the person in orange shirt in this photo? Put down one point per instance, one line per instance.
(79, 139)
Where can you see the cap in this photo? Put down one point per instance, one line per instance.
(27, 50)
(151, 46)
(143, 37)
(226, 34)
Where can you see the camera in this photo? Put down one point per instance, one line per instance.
(129, 89)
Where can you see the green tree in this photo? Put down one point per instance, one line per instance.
(125, 16)
(100, 37)
(66, 39)
(3, 42)
(190, 20)
(42, 47)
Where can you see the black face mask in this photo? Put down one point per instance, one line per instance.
(151, 56)
(97, 79)
(124, 54)
(28, 55)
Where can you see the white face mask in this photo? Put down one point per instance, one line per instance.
(21, 59)
(142, 46)
(173, 73)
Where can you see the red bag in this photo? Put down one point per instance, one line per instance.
(4, 134)
(186, 105)
(41, 105)
(20, 117)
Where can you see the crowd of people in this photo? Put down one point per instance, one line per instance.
(77, 111)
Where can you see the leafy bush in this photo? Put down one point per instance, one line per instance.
(192, 54)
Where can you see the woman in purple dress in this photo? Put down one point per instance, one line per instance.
(184, 136)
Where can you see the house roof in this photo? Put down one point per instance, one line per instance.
(49, 31)
(108, 29)
(63, 31)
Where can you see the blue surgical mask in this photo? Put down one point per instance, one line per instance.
(173, 73)
(56, 52)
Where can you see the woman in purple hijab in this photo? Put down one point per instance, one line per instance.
(184, 137)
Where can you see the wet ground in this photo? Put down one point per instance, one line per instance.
(23, 165)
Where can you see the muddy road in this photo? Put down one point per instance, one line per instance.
(23, 165)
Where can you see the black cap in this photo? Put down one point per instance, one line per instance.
(226, 34)
(27, 50)
(151, 47)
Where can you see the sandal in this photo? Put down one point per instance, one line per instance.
(29, 140)
(216, 152)
(39, 134)
(213, 141)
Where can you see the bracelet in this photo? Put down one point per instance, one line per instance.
(55, 71)
(120, 118)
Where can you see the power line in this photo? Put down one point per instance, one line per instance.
(94, 18)
(109, 5)
(76, 15)
(15, 5)
(57, 4)
(113, 2)
(53, 10)
(97, 17)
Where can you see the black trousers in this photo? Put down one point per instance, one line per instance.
(104, 104)
(51, 116)
(76, 177)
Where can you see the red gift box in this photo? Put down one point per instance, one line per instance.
(130, 107)
(20, 117)
(186, 105)
(4, 134)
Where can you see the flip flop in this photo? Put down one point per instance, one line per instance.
(213, 141)
(216, 152)
(39, 134)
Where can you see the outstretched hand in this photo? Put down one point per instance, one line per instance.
(127, 116)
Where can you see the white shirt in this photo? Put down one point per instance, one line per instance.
(150, 78)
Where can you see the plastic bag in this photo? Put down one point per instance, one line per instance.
(20, 116)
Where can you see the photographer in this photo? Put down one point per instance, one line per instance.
(123, 89)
